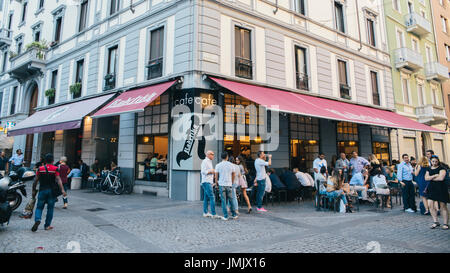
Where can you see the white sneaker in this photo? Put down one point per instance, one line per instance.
(215, 216)
(235, 217)
(207, 214)
(223, 218)
(409, 210)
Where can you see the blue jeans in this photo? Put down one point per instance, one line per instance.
(260, 192)
(147, 174)
(66, 187)
(234, 196)
(208, 195)
(225, 195)
(334, 194)
(45, 196)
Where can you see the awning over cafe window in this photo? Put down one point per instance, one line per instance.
(133, 100)
(64, 117)
(290, 102)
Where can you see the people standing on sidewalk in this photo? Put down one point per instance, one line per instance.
(437, 192)
(3, 163)
(429, 154)
(64, 171)
(357, 163)
(243, 181)
(224, 174)
(318, 163)
(260, 167)
(419, 172)
(343, 164)
(16, 160)
(207, 182)
(46, 176)
(405, 176)
(237, 175)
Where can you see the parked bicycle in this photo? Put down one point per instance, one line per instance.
(111, 182)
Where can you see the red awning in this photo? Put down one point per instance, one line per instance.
(134, 100)
(312, 106)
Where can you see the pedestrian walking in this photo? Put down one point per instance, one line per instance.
(237, 175)
(437, 192)
(419, 172)
(224, 174)
(405, 176)
(46, 176)
(207, 182)
(64, 171)
(243, 181)
(260, 167)
(16, 160)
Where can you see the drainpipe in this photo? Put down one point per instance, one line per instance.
(276, 10)
(359, 25)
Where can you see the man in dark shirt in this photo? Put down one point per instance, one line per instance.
(95, 168)
(3, 163)
(46, 176)
(84, 168)
(276, 182)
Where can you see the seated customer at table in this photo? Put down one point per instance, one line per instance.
(381, 186)
(303, 178)
(333, 189)
(359, 183)
(276, 182)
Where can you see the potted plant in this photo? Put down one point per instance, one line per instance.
(50, 93)
(41, 46)
(75, 89)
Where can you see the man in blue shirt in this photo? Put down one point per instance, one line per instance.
(16, 160)
(405, 176)
(357, 163)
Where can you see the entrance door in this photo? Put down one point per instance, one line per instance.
(29, 142)
(73, 145)
(106, 141)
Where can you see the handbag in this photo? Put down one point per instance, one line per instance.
(56, 191)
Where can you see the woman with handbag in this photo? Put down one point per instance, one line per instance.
(243, 181)
(437, 192)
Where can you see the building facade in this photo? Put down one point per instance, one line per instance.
(441, 16)
(188, 52)
(417, 75)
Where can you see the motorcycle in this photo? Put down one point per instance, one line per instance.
(17, 184)
(5, 208)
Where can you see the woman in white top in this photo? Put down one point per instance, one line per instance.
(243, 181)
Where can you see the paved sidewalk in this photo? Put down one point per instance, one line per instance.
(97, 222)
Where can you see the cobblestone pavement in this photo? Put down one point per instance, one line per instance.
(142, 223)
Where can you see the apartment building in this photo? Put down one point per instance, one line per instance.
(416, 74)
(113, 71)
(441, 17)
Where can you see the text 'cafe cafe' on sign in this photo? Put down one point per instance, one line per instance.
(127, 126)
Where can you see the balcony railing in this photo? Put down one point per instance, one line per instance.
(345, 91)
(110, 81)
(436, 71)
(417, 24)
(154, 68)
(302, 80)
(430, 114)
(244, 68)
(408, 58)
(28, 63)
(5, 37)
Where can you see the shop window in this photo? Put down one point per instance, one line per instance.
(347, 137)
(379, 131)
(304, 141)
(152, 138)
(381, 151)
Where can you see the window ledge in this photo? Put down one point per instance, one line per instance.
(21, 24)
(39, 11)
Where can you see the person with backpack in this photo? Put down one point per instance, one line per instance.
(49, 183)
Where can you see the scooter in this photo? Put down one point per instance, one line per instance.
(17, 184)
(5, 208)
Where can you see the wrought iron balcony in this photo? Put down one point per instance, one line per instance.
(417, 24)
(155, 68)
(345, 91)
(436, 71)
(110, 81)
(430, 114)
(5, 37)
(243, 68)
(408, 58)
(302, 80)
(27, 64)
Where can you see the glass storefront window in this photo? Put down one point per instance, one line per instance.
(347, 147)
(347, 137)
(304, 141)
(381, 151)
